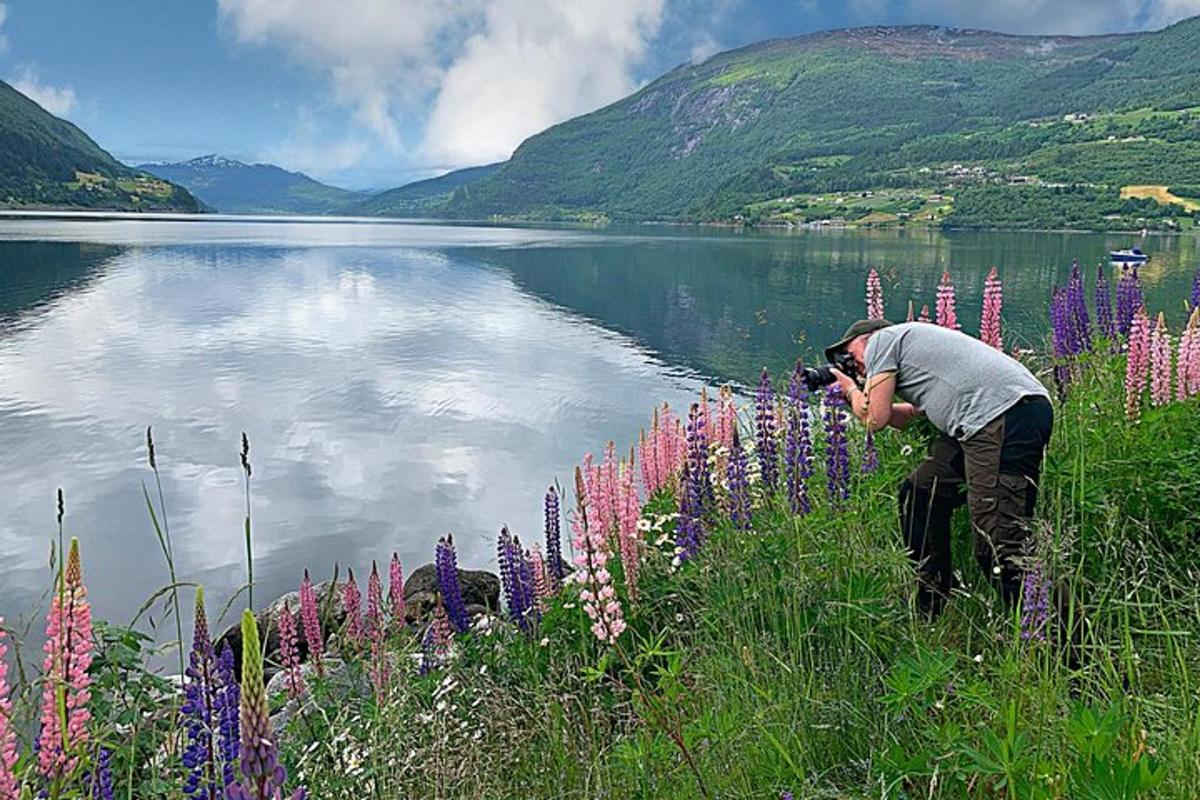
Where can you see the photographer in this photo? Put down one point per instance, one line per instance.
(995, 420)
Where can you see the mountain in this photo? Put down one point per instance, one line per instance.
(232, 187)
(46, 162)
(877, 124)
(421, 198)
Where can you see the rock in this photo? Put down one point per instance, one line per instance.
(268, 628)
(479, 587)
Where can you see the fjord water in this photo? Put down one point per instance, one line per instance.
(402, 381)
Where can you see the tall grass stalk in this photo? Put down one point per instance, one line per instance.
(163, 531)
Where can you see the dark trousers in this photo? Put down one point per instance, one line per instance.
(1000, 467)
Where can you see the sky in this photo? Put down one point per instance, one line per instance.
(370, 94)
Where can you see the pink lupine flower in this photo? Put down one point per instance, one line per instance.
(708, 420)
(650, 480)
(352, 607)
(9, 790)
(609, 480)
(629, 512)
(1137, 363)
(1188, 365)
(396, 590)
(591, 560)
(946, 315)
(671, 446)
(65, 680)
(289, 652)
(1160, 363)
(374, 620)
(726, 418)
(541, 579)
(874, 295)
(993, 298)
(311, 623)
(924, 317)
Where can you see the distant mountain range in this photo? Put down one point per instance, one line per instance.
(233, 187)
(46, 162)
(421, 198)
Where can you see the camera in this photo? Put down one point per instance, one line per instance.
(817, 377)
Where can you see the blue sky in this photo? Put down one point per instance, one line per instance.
(373, 93)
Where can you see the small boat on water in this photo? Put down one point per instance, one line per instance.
(1133, 255)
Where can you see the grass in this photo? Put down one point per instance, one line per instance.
(1161, 194)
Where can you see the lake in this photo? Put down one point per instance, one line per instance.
(400, 381)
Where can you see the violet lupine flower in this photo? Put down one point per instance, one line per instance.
(726, 417)
(99, 780)
(1035, 604)
(1081, 324)
(511, 580)
(874, 295)
(396, 590)
(1104, 311)
(739, 485)
(1188, 364)
(697, 442)
(199, 712)
(924, 316)
(446, 562)
(311, 624)
(262, 774)
(65, 680)
(797, 452)
(1137, 364)
(556, 573)
(870, 459)
(629, 513)
(352, 608)
(289, 652)
(689, 526)
(8, 733)
(1196, 291)
(837, 453)
(1160, 363)
(767, 452)
(531, 615)
(1129, 298)
(993, 299)
(947, 316)
(599, 598)
(1061, 331)
(226, 707)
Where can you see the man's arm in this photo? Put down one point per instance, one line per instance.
(874, 407)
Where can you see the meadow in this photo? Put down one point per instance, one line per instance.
(736, 620)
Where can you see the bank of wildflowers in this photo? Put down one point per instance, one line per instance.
(726, 614)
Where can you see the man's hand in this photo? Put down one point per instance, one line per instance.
(845, 381)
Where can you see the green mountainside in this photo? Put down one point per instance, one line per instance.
(880, 125)
(46, 162)
(421, 198)
(232, 187)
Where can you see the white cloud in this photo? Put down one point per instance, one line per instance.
(535, 63)
(3, 17)
(1032, 16)
(58, 100)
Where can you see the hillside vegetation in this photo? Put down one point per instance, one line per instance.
(48, 162)
(785, 130)
(422, 198)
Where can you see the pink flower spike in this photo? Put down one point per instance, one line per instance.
(289, 652)
(947, 317)
(989, 329)
(541, 579)
(726, 418)
(352, 606)
(1188, 363)
(311, 623)
(9, 790)
(629, 513)
(1160, 363)
(874, 295)
(1137, 363)
(65, 680)
(592, 576)
(396, 590)
(924, 317)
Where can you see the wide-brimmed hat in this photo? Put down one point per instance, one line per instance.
(853, 332)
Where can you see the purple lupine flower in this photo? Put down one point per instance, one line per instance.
(446, 562)
(100, 781)
(837, 454)
(1035, 603)
(689, 527)
(697, 454)
(524, 577)
(739, 485)
(504, 560)
(226, 706)
(262, 774)
(554, 560)
(201, 684)
(1081, 323)
(1196, 291)
(797, 452)
(1062, 338)
(1129, 298)
(870, 459)
(767, 451)
(1104, 311)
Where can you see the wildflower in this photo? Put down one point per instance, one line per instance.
(739, 487)
(435, 646)
(508, 576)
(946, 315)
(541, 580)
(352, 608)
(555, 573)
(531, 614)
(910, 311)
(1188, 363)
(1196, 291)
(697, 457)
(289, 653)
(1104, 310)
(1064, 348)
(99, 782)
(263, 775)
(446, 563)
(689, 528)
(374, 620)
(65, 679)
(311, 623)
(1081, 324)
(1160, 363)
(870, 459)
(924, 316)
(874, 295)
(605, 507)
(592, 554)
(797, 453)
(768, 458)
(198, 710)
(993, 299)
(396, 590)
(1129, 298)
(8, 733)
(226, 706)
(629, 513)
(726, 418)
(1137, 363)
(1035, 603)
(650, 480)
(837, 456)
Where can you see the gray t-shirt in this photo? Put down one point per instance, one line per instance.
(959, 382)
